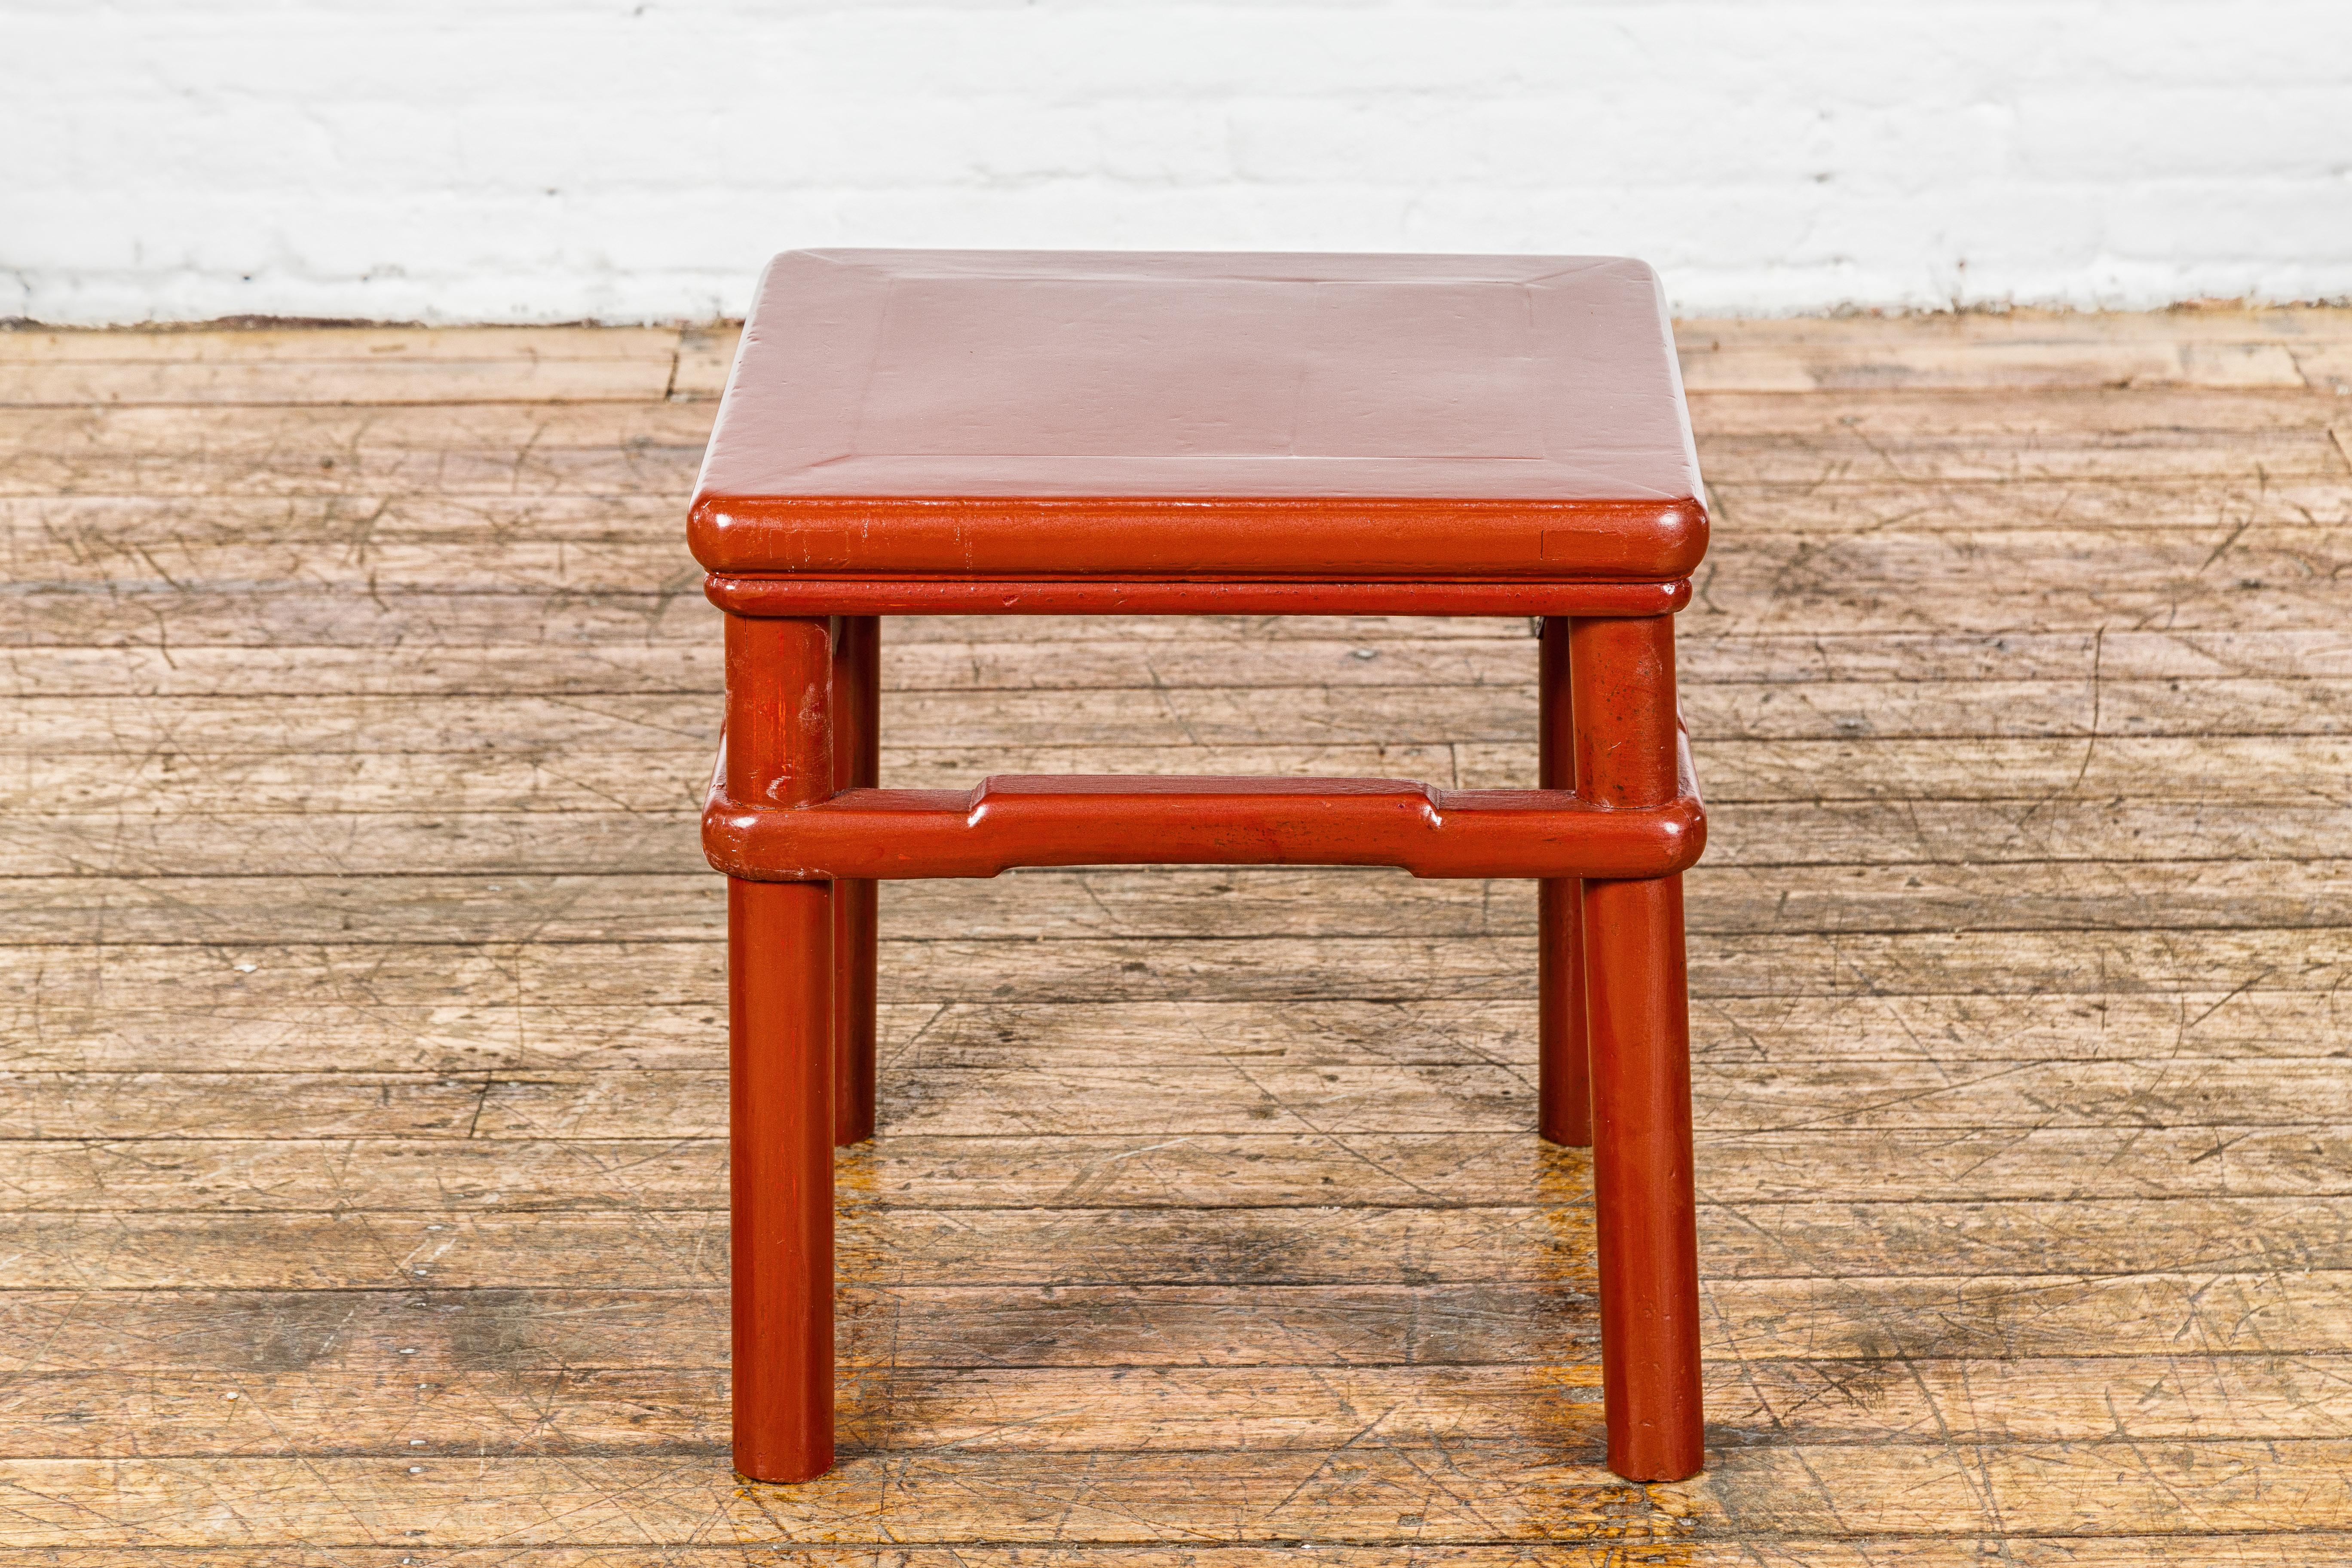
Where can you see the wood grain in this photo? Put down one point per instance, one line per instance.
(2118, 1486)
(277, 1173)
(1212, 716)
(56, 982)
(2124, 775)
(1738, 897)
(1378, 658)
(2295, 1549)
(609, 1324)
(682, 1411)
(1233, 1091)
(361, 1000)
(1126, 1248)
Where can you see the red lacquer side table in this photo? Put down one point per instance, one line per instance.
(912, 433)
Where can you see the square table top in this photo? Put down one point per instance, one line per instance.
(1035, 413)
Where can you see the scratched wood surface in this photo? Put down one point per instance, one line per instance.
(362, 1020)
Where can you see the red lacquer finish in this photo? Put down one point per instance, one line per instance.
(856, 765)
(1076, 820)
(1133, 597)
(1563, 1083)
(1636, 990)
(779, 1064)
(926, 433)
(1013, 414)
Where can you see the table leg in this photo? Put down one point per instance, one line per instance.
(857, 762)
(1563, 1079)
(780, 971)
(1638, 1008)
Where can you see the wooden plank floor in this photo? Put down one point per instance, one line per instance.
(364, 1053)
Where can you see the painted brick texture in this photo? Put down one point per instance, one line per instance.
(549, 160)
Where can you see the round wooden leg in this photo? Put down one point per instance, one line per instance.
(779, 974)
(780, 1175)
(1646, 1214)
(1637, 1029)
(856, 764)
(1563, 1077)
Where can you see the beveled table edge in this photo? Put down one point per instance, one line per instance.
(798, 594)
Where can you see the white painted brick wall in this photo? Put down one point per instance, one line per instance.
(547, 160)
